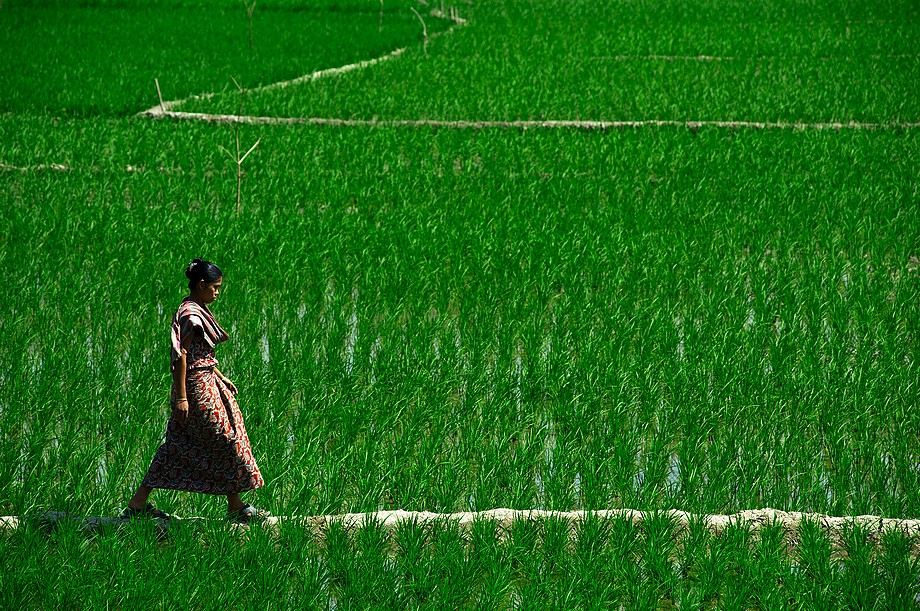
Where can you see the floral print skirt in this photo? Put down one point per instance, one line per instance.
(209, 451)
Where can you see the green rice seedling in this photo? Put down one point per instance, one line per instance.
(522, 555)
(556, 567)
(714, 558)
(250, 8)
(658, 556)
(15, 546)
(454, 575)
(862, 581)
(337, 552)
(486, 558)
(307, 579)
(603, 563)
(771, 566)
(898, 566)
(523, 536)
(376, 583)
(412, 553)
(742, 567)
(692, 545)
(818, 574)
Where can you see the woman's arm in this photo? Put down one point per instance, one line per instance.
(178, 374)
(225, 380)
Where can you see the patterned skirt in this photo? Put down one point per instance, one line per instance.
(209, 451)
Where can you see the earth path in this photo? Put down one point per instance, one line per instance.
(755, 519)
(164, 108)
(525, 124)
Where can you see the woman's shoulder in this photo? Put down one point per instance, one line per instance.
(188, 312)
(187, 305)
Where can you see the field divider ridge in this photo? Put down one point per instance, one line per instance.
(731, 58)
(505, 519)
(527, 124)
(164, 108)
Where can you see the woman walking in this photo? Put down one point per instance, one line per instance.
(206, 449)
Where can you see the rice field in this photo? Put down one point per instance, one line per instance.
(437, 319)
(534, 565)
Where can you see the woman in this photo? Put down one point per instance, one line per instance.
(207, 449)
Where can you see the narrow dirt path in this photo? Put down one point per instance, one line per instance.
(164, 108)
(754, 519)
(525, 125)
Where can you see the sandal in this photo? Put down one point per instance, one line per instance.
(147, 512)
(246, 514)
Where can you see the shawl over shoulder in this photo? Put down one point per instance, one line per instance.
(191, 316)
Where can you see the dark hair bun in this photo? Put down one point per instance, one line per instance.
(190, 270)
(199, 270)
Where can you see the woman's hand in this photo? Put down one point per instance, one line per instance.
(220, 376)
(229, 384)
(180, 409)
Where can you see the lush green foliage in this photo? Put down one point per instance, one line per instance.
(533, 566)
(459, 320)
(449, 320)
(590, 60)
(102, 60)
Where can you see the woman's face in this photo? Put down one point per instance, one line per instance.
(210, 290)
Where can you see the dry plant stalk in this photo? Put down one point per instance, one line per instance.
(239, 163)
(236, 157)
(379, 24)
(159, 93)
(424, 31)
(250, 8)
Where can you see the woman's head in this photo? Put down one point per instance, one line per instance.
(204, 278)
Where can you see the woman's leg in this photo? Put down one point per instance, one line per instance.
(234, 502)
(139, 500)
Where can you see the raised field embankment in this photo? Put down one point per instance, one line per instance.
(505, 519)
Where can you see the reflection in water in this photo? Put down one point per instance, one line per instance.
(638, 480)
(352, 340)
(101, 472)
(263, 343)
(541, 491)
(549, 446)
(89, 351)
(674, 474)
(518, 372)
(749, 323)
(291, 440)
(23, 461)
(679, 327)
(375, 350)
